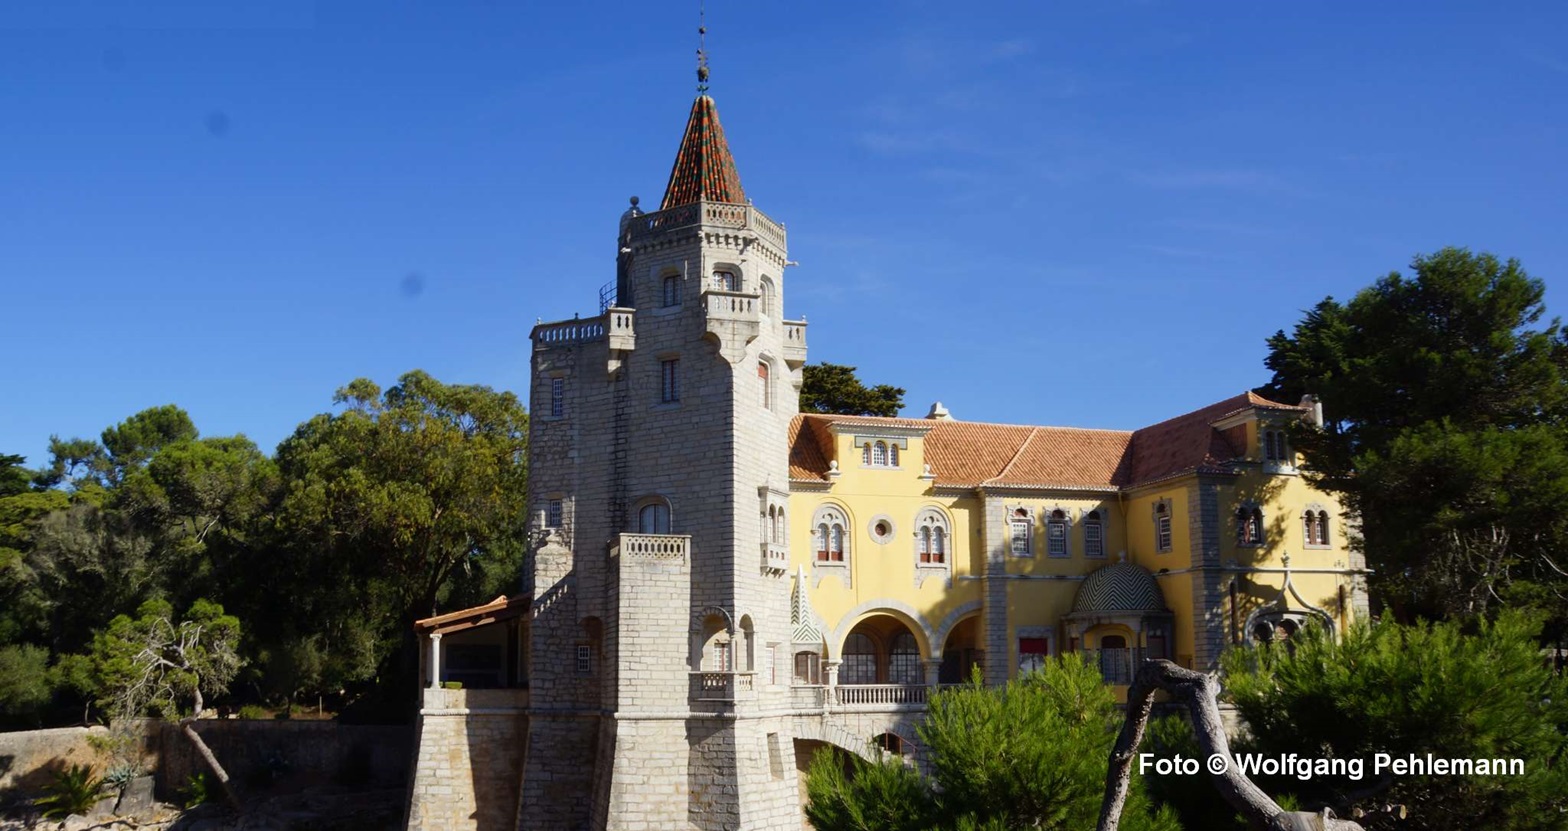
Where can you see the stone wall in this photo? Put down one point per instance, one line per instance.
(257, 754)
(27, 758)
(468, 764)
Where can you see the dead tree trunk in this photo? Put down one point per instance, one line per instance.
(1199, 692)
(188, 727)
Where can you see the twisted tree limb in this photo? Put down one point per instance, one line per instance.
(1200, 693)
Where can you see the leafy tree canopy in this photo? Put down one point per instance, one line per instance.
(834, 388)
(1445, 395)
(401, 498)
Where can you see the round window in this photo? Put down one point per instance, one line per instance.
(881, 529)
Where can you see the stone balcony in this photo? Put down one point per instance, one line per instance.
(675, 548)
(794, 343)
(616, 325)
(733, 318)
(725, 687)
(775, 558)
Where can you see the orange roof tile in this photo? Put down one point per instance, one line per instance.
(975, 454)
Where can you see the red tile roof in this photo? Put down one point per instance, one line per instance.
(973, 454)
(704, 169)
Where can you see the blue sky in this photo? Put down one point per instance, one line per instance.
(1043, 212)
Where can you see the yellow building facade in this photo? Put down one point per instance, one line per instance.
(924, 549)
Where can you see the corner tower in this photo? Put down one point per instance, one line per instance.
(659, 646)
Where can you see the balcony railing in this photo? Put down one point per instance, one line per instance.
(615, 323)
(722, 686)
(731, 305)
(673, 547)
(712, 214)
(851, 695)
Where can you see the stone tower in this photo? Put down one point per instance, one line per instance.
(659, 643)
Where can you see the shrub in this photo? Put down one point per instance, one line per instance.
(254, 712)
(1414, 690)
(71, 790)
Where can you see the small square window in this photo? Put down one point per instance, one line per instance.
(553, 512)
(584, 660)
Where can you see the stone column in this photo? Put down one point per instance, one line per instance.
(830, 694)
(933, 672)
(435, 660)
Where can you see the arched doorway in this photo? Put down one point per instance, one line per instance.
(881, 662)
(962, 653)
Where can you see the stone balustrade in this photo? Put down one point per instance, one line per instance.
(618, 323)
(709, 215)
(881, 695)
(722, 686)
(718, 304)
(674, 547)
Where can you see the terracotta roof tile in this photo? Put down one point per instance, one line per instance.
(704, 169)
(972, 454)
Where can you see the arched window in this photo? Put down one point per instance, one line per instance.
(860, 660)
(1020, 525)
(1322, 524)
(892, 455)
(654, 518)
(1093, 535)
(726, 281)
(764, 387)
(879, 454)
(1056, 534)
(931, 534)
(828, 536)
(766, 287)
(1162, 527)
(1249, 526)
(865, 454)
(672, 291)
(903, 660)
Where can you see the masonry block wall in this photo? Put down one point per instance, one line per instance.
(470, 747)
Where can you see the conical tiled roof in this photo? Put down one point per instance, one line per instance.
(704, 169)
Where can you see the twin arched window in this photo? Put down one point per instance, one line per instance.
(726, 281)
(1314, 527)
(1249, 526)
(931, 536)
(828, 538)
(773, 525)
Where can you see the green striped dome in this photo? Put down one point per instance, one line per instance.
(1120, 587)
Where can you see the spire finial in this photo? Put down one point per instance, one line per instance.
(702, 48)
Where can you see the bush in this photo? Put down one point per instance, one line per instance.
(1414, 690)
(254, 712)
(1032, 754)
(72, 790)
(197, 791)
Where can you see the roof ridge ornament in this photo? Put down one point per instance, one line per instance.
(702, 47)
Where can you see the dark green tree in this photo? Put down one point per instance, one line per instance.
(1403, 690)
(1031, 754)
(400, 501)
(835, 389)
(1445, 395)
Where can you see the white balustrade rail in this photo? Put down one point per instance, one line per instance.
(656, 546)
(852, 694)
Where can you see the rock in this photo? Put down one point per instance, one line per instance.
(136, 800)
(103, 808)
(76, 822)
